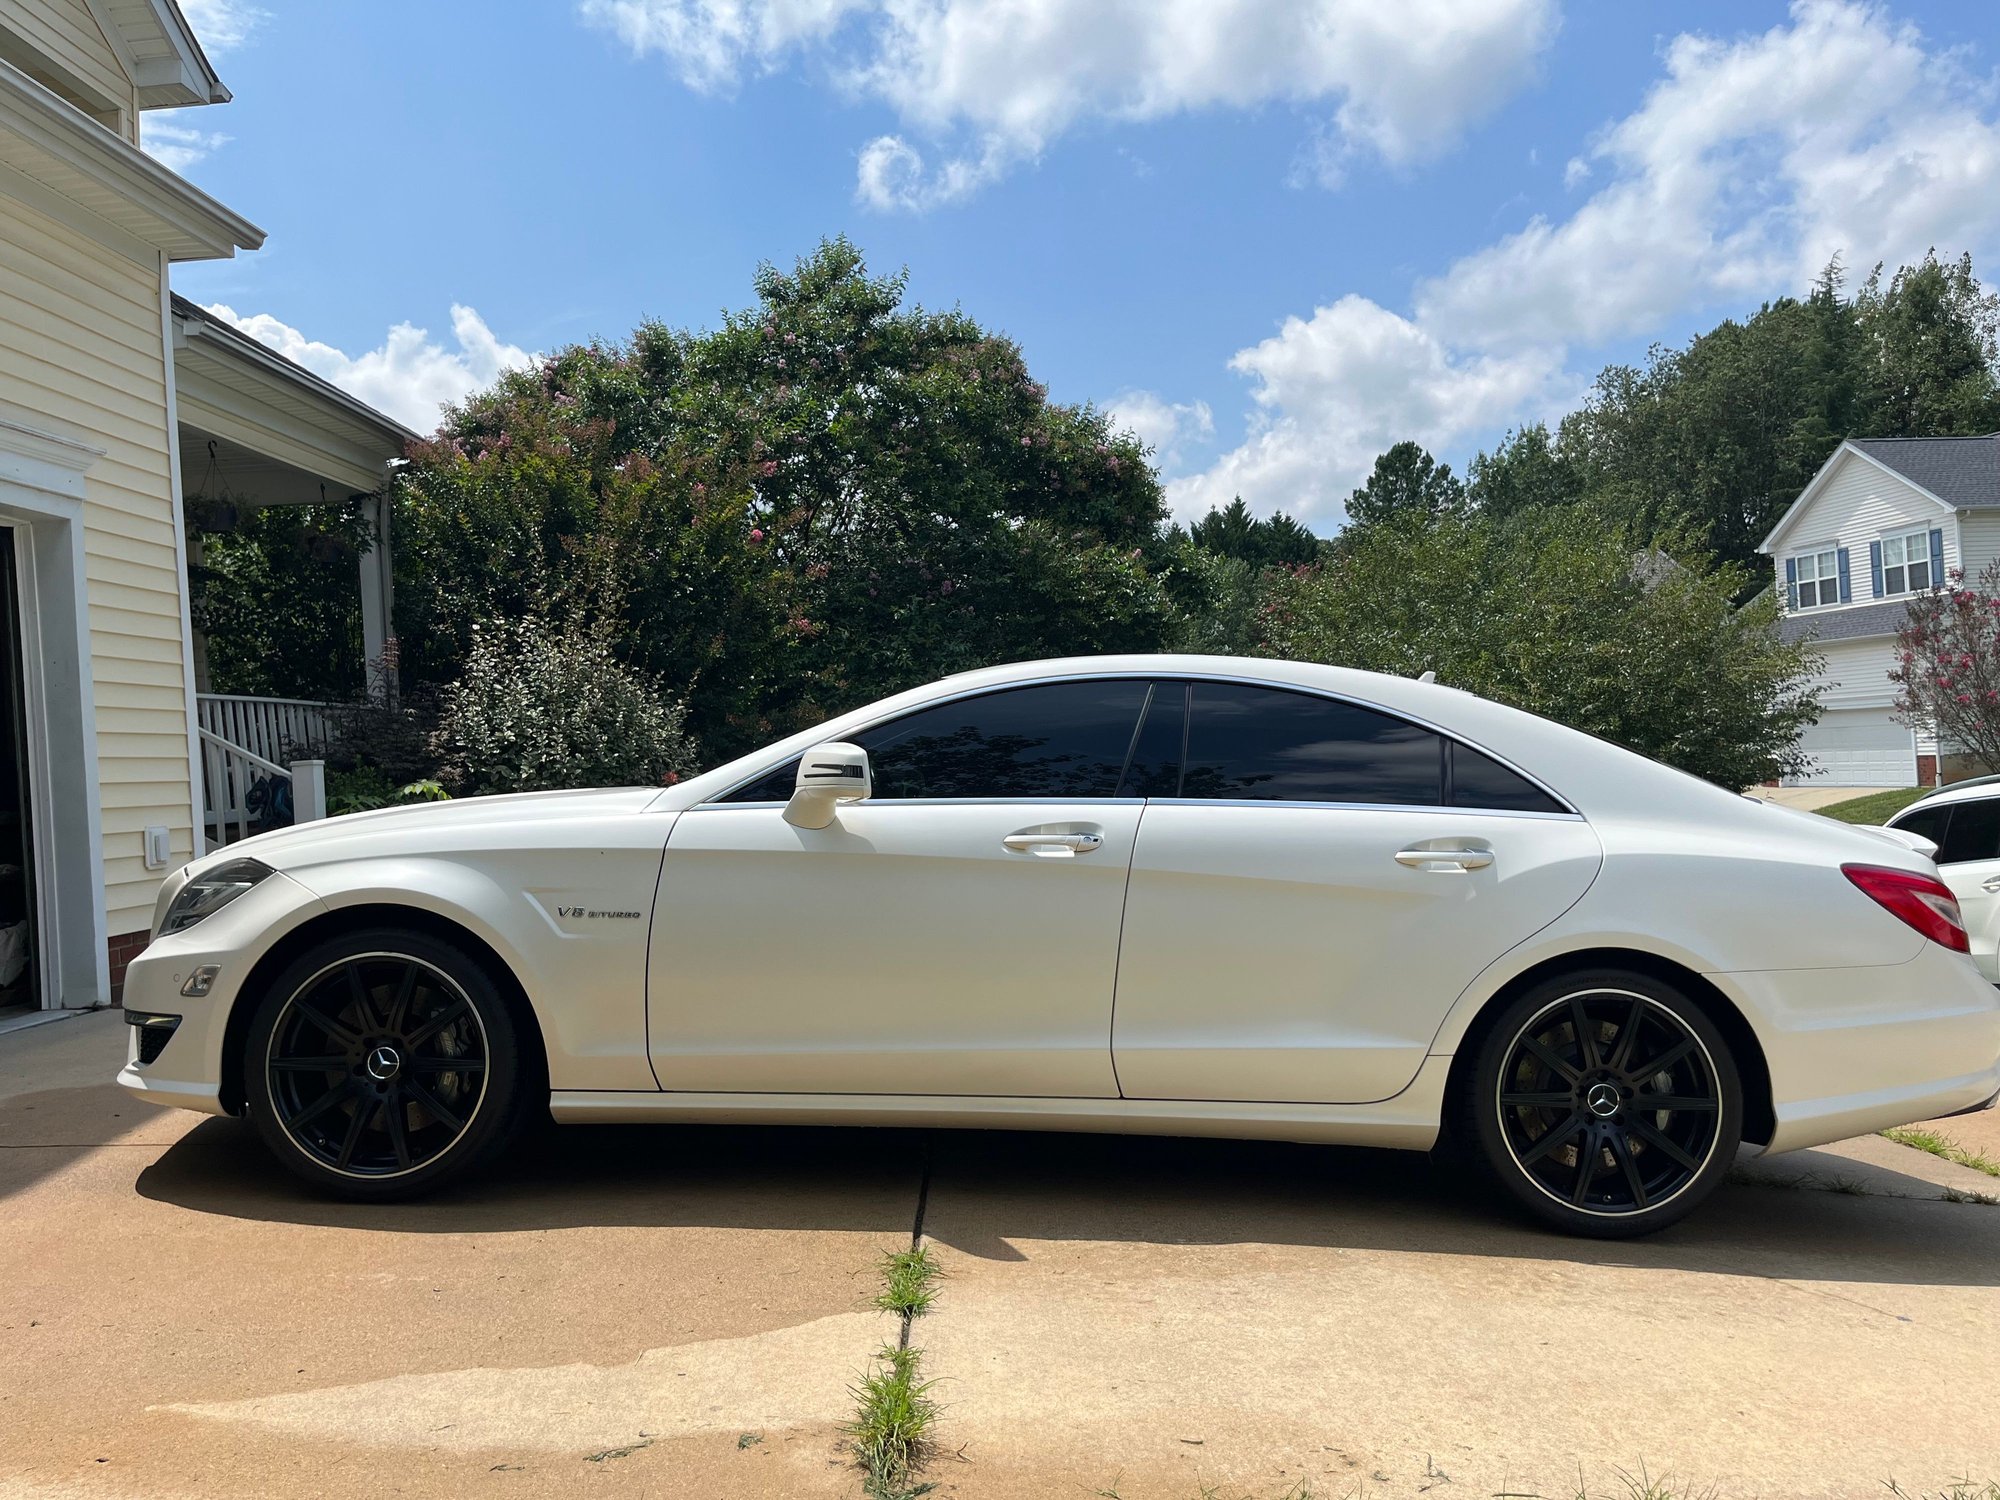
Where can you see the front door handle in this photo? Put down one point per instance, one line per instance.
(1053, 845)
(1445, 861)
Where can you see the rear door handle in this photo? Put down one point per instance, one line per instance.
(1053, 845)
(1445, 861)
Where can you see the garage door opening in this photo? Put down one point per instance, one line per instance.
(20, 957)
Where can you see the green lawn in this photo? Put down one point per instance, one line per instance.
(1874, 807)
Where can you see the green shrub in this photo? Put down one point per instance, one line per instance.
(540, 707)
(366, 788)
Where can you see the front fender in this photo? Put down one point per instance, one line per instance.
(570, 925)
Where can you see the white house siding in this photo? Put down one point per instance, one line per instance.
(1857, 672)
(1980, 533)
(67, 33)
(82, 351)
(1860, 502)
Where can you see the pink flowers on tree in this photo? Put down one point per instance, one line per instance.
(1947, 670)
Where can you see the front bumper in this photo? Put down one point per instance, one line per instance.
(187, 1071)
(1856, 1050)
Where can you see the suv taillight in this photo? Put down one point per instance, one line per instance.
(1922, 901)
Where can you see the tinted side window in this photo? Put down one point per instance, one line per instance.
(1478, 780)
(1265, 744)
(772, 786)
(1065, 739)
(1973, 833)
(1928, 822)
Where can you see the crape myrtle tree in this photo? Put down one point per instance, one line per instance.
(1569, 613)
(831, 496)
(1947, 670)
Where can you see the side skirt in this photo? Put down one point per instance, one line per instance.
(1407, 1122)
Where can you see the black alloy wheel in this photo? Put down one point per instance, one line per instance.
(1607, 1104)
(380, 1063)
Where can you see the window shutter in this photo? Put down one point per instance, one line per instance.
(1840, 560)
(1875, 565)
(1937, 559)
(1791, 583)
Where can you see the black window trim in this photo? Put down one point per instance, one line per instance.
(1450, 737)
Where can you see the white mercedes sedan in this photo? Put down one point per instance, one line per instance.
(1174, 894)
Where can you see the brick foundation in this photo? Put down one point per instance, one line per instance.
(1926, 770)
(123, 948)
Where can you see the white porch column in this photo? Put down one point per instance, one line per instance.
(378, 625)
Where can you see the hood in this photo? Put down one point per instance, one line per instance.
(435, 826)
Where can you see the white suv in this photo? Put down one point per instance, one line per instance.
(1963, 820)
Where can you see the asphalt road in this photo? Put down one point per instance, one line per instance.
(680, 1312)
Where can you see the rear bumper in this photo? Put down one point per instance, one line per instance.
(1856, 1050)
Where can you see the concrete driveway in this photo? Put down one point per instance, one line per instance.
(679, 1312)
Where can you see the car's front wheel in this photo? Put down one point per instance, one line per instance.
(382, 1063)
(1605, 1103)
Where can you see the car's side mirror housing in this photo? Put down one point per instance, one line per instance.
(829, 775)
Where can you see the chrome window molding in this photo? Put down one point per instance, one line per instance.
(1395, 807)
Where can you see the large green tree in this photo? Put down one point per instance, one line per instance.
(831, 496)
(1406, 480)
(1717, 438)
(1931, 339)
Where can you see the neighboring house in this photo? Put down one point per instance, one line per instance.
(101, 748)
(1884, 519)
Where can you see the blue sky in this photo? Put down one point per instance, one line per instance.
(1273, 235)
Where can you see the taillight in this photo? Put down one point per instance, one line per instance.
(1922, 901)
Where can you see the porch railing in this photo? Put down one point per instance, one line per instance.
(276, 729)
(230, 776)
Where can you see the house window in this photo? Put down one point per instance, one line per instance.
(1819, 578)
(1906, 563)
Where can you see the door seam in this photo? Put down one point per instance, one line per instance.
(1118, 956)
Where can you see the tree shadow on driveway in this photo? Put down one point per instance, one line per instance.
(989, 1191)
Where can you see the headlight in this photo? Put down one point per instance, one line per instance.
(210, 891)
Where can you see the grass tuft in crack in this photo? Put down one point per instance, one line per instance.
(1960, 1195)
(1643, 1486)
(907, 1276)
(1954, 1489)
(893, 1411)
(1943, 1146)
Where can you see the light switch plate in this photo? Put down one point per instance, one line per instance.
(159, 848)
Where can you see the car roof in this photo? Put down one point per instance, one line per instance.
(1970, 790)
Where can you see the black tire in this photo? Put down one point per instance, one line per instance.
(1556, 1104)
(382, 1064)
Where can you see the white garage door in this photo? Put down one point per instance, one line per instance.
(1859, 747)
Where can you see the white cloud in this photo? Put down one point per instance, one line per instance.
(712, 43)
(1332, 391)
(174, 145)
(410, 376)
(892, 177)
(991, 83)
(1748, 165)
(222, 25)
(1167, 427)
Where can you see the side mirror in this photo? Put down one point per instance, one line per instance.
(829, 775)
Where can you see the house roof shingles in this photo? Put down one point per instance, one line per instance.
(1961, 471)
(1846, 624)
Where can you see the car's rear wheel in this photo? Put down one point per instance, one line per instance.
(381, 1064)
(1605, 1103)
